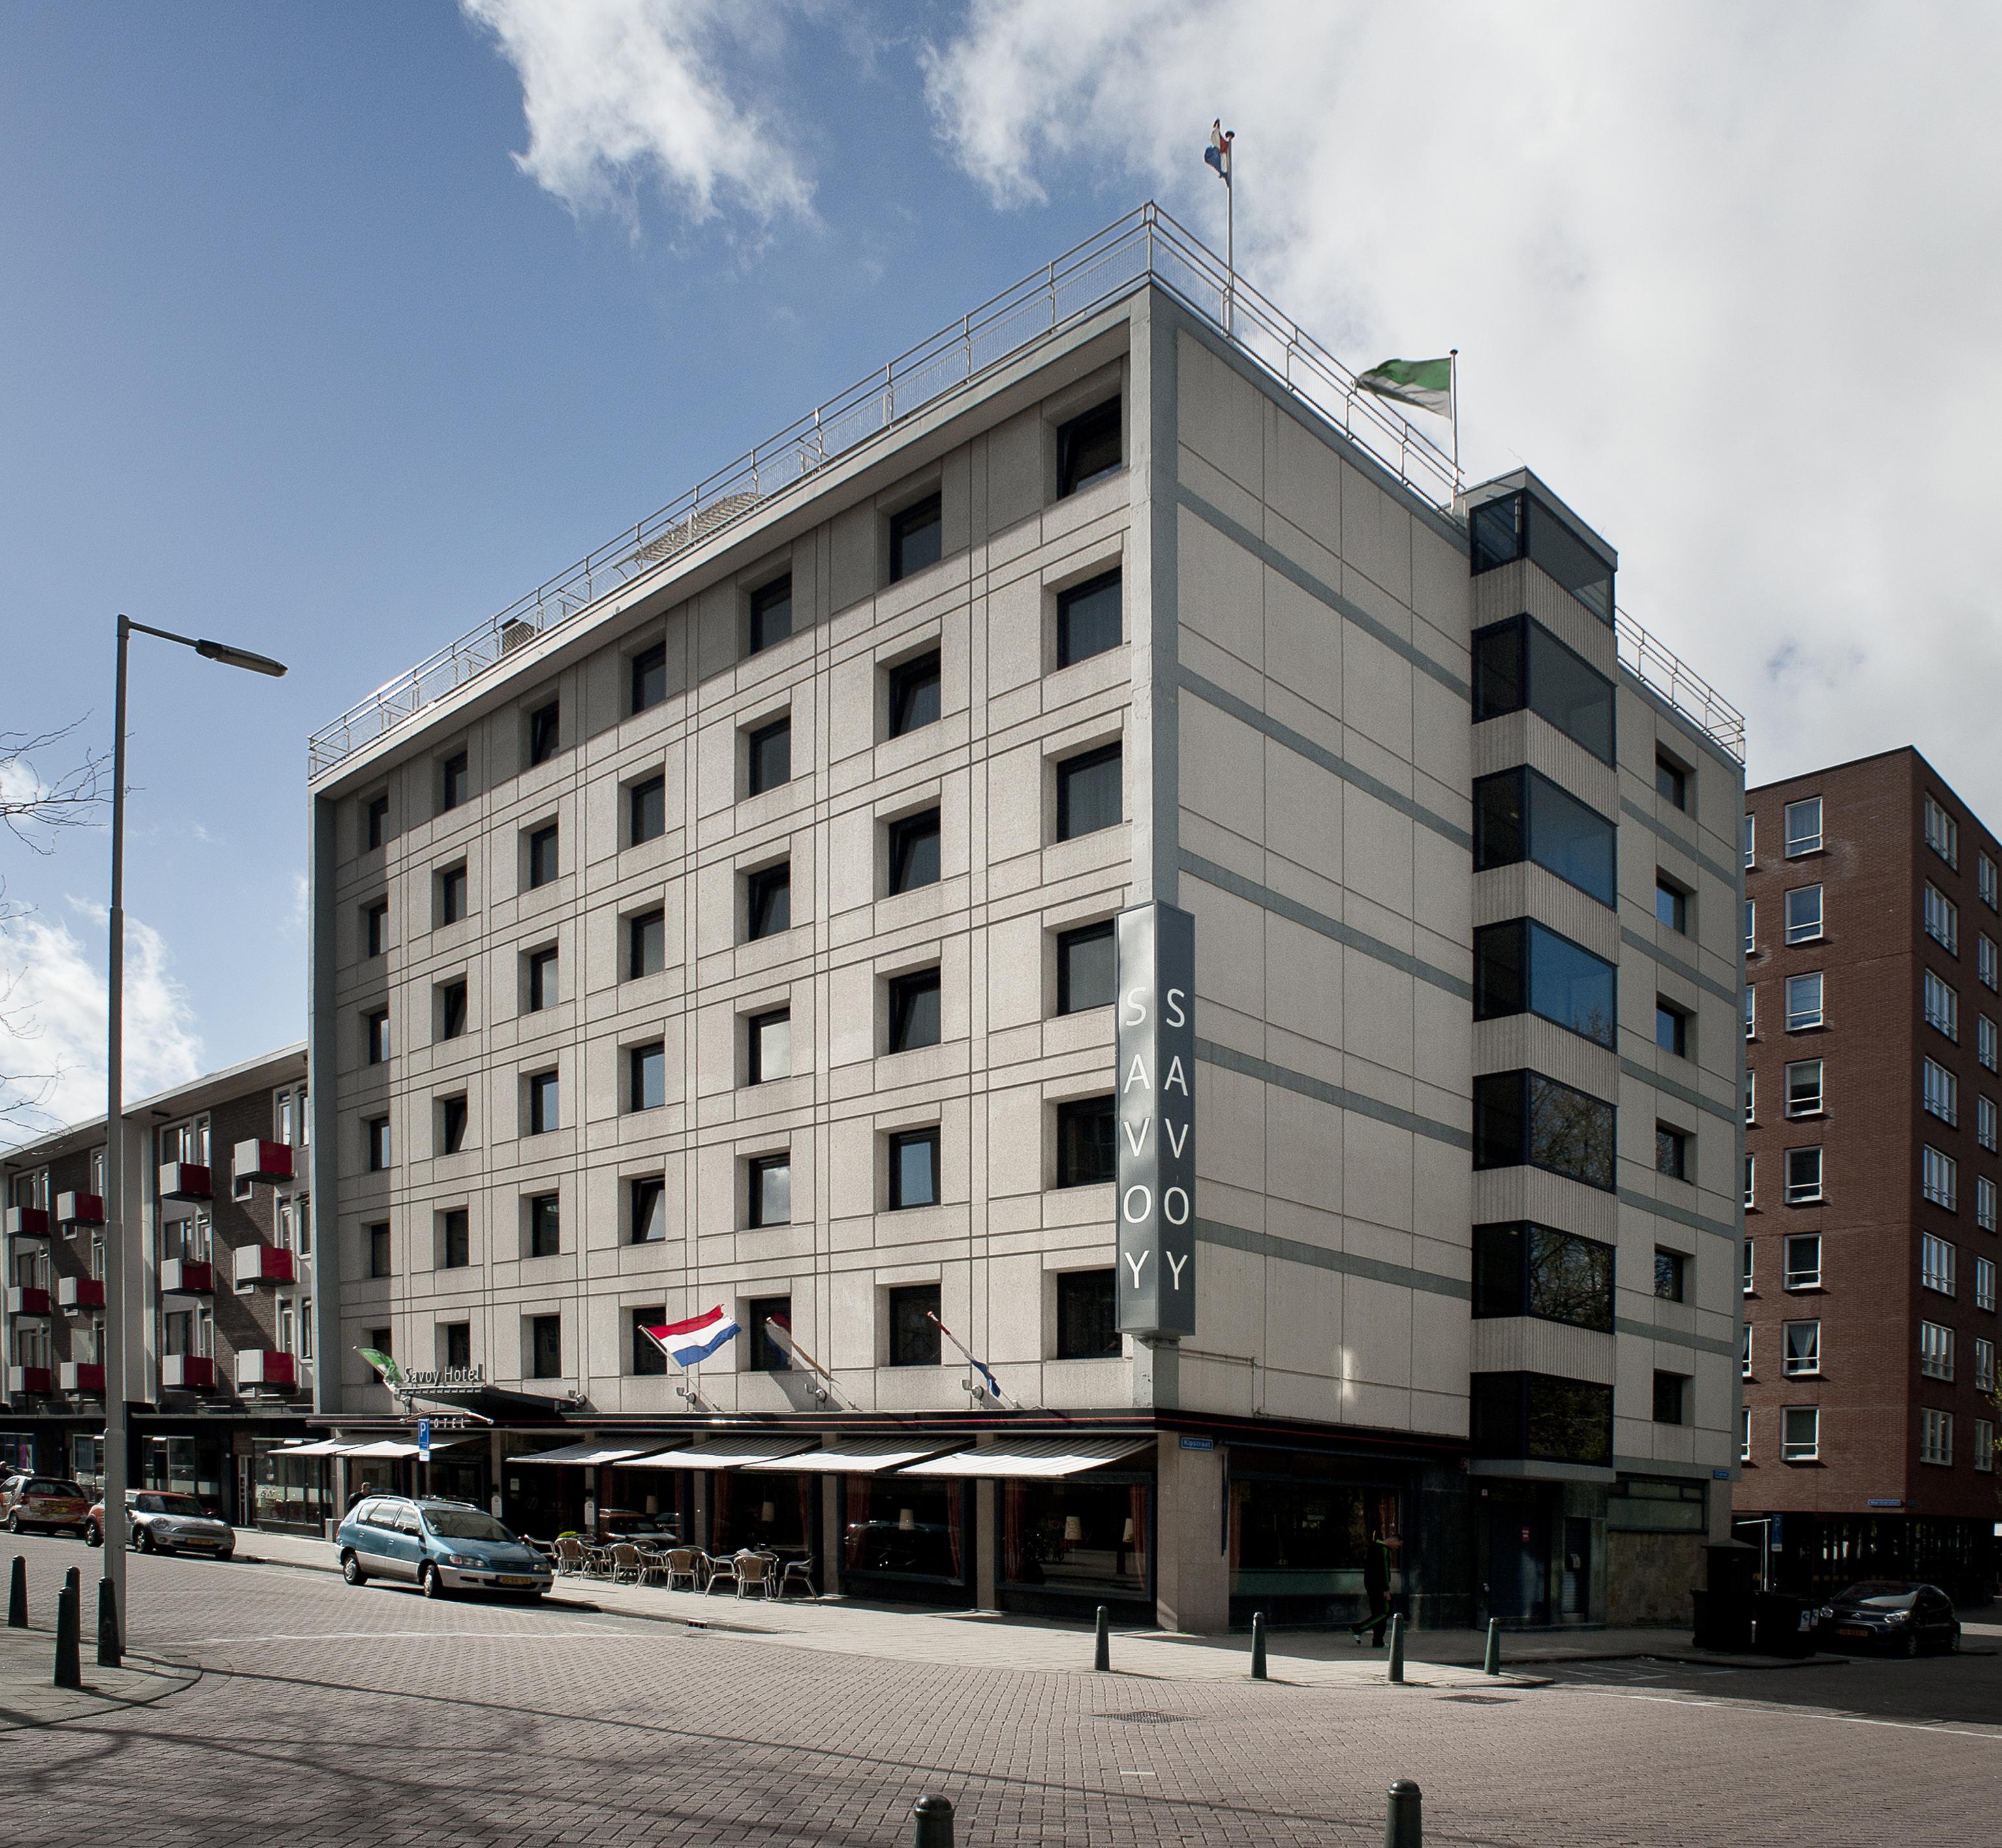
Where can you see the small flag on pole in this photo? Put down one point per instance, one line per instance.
(392, 1374)
(1218, 152)
(690, 1342)
(1423, 384)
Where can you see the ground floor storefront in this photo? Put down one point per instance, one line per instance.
(1815, 1555)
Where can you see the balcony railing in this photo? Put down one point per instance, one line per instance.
(27, 1222)
(76, 1293)
(84, 1376)
(79, 1209)
(186, 1277)
(269, 1368)
(24, 1383)
(27, 1299)
(187, 1373)
(262, 1264)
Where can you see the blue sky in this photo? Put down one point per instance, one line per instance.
(294, 351)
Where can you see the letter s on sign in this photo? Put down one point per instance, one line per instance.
(1133, 1008)
(1175, 1015)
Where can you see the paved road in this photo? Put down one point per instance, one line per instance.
(330, 1716)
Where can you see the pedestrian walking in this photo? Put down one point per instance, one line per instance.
(1376, 1588)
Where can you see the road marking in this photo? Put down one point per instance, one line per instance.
(416, 1636)
(1993, 1736)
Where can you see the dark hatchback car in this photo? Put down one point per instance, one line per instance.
(1890, 1614)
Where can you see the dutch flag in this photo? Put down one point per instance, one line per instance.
(1218, 152)
(692, 1342)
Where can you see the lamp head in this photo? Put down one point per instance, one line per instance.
(241, 657)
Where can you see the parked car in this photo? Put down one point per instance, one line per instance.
(1890, 1614)
(50, 1502)
(159, 1521)
(441, 1546)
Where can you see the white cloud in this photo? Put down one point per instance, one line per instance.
(54, 984)
(618, 93)
(1726, 275)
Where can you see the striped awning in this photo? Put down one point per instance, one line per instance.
(862, 1456)
(1036, 1457)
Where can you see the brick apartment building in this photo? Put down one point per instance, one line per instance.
(1871, 936)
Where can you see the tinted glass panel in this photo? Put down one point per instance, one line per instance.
(1501, 677)
(646, 944)
(646, 810)
(1088, 793)
(914, 1169)
(1088, 448)
(649, 1211)
(769, 901)
(772, 613)
(451, 1010)
(1523, 1118)
(766, 1355)
(647, 1357)
(914, 1336)
(916, 535)
(770, 1049)
(648, 1077)
(770, 1179)
(546, 1334)
(914, 1011)
(543, 990)
(650, 677)
(542, 856)
(913, 695)
(1573, 696)
(543, 732)
(1523, 966)
(544, 1230)
(1520, 815)
(769, 757)
(1086, 968)
(1087, 1314)
(1088, 619)
(456, 1240)
(914, 852)
(1086, 1153)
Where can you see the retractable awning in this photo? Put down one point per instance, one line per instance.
(1035, 1456)
(731, 1453)
(862, 1456)
(575, 1453)
(396, 1447)
(318, 1447)
(649, 1459)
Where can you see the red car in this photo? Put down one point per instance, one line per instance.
(51, 1503)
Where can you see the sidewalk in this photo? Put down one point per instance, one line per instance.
(905, 1633)
(29, 1696)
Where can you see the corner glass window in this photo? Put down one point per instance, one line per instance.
(1088, 619)
(1519, 525)
(1521, 814)
(1522, 1118)
(1088, 448)
(1524, 1269)
(1522, 967)
(1520, 664)
(916, 538)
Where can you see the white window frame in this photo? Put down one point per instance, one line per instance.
(1942, 919)
(1748, 838)
(1751, 1011)
(1935, 1437)
(1984, 1445)
(1986, 1132)
(1747, 1267)
(1984, 1284)
(1984, 1365)
(1939, 1092)
(1987, 878)
(1802, 1016)
(1745, 1351)
(1939, 1264)
(1806, 838)
(1751, 926)
(1936, 1354)
(1802, 929)
(1820, 1094)
(1942, 832)
(1751, 1180)
(1807, 1362)
(1985, 1196)
(1805, 1192)
(1745, 1434)
(1793, 1279)
(1942, 1005)
(1751, 1096)
(1797, 1450)
(1988, 1042)
(1987, 961)
(1939, 1178)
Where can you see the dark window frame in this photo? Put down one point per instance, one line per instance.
(1494, 1102)
(906, 837)
(756, 1168)
(544, 1224)
(545, 1337)
(541, 964)
(455, 1239)
(1080, 446)
(452, 1008)
(1520, 666)
(374, 823)
(647, 1357)
(646, 809)
(458, 1343)
(904, 997)
(1671, 1396)
(1672, 780)
(1672, 1273)
(1087, 1149)
(1088, 1315)
(646, 663)
(545, 732)
(646, 1205)
(452, 897)
(652, 1053)
(914, 1340)
(909, 682)
(544, 856)
(1543, 1417)
(753, 1062)
(382, 1252)
(768, 890)
(1068, 769)
(643, 930)
(1084, 936)
(924, 516)
(759, 778)
(1520, 524)
(455, 1117)
(1501, 838)
(544, 1089)
(454, 781)
(1505, 968)
(895, 1144)
(375, 1141)
(759, 631)
(1675, 1151)
(1522, 1267)
(375, 1036)
(765, 1355)
(1070, 639)
(374, 929)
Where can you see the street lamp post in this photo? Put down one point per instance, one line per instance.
(121, 1253)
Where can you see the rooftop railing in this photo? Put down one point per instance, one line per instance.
(1680, 684)
(1146, 245)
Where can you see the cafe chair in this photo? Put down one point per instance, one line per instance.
(753, 1573)
(796, 1571)
(682, 1567)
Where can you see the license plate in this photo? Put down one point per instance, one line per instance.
(518, 1581)
(1851, 1630)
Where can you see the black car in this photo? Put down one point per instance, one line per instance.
(1891, 1614)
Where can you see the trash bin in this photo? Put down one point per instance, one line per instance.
(1782, 1625)
(1724, 1606)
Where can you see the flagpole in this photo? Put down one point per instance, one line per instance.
(1452, 399)
(1230, 237)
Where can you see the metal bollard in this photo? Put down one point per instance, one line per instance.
(931, 1822)
(111, 1651)
(1102, 1656)
(69, 1667)
(1397, 1648)
(1491, 1660)
(1257, 1645)
(1404, 1823)
(17, 1594)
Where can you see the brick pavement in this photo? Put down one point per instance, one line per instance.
(332, 1716)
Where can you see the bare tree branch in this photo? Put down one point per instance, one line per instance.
(32, 807)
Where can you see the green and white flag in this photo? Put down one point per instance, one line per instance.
(392, 1374)
(1426, 384)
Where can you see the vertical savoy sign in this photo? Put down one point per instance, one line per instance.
(1156, 1121)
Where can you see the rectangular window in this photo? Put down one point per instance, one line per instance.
(542, 972)
(378, 1250)
(1751, 1095)
(1935, 1351)
(768, 756)
(645, 944)
(1984, 1365)
(1520, 664)
(1086, 972)
(1804, 1001)
(1940, 1091)
(1751, 1012)
(769, 1046)
(1672, 1154)
(1521, 814)
(1540, 1417)
(375, 1036)
(915, 691)
(1089, 795)
(1984, 1123)
(1984, 1203)
(768, 1356)
(649, 1360)
(1942, 833)
(1088, 619)
(1802, 1269)
(375, 1137)
(914, 1011)
(1672, 1034)
(1940, 1178)
(771, 613)
(916, 538)
(1524, 967)
(768, 901)
(646, 1210)
(1088, 448)
(451, 1115)
(1986, 1042)
(1745, 1351)
(543, 728)
(1745, 1266)
(1942, 919)
(914, 1168)
(453, 785)
(1671, 1274)
(545, 1346)
(1751, 1178)
(1985, 877)
(1521, 525)
(646, 1076)
(649, 684)
(1522, 1117)
(1984, 1445)
(375, 929)
(1803, 919)
(1803, 1177)
(1745, 1434)
(1671, 1398)
(457, 1339)
(1936, 1437)
(1984, 1284)
(450, 900)
(1804, 1088)
(645, 810)
(1800, 1433)
(913, 844)
(1938, 1263)
(914, 1335)
(1671, 781)
(1986, 963)
(1942, 1005)
(1802, 1353)
(542, 856)
(544, 1226)
(544, 1115)
(1801, 823)
(1671, 905)
(455, 1239)
(375, 823)
(1751, 926)
(451, 1006)
(1087, 1314)
(769, 1190)
(1748, 838)
(1086, 1153)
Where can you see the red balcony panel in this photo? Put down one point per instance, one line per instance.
(263, 1264)
(79, 1209)
(187, 1372)
(82, 1376)
(266, 1366)
(26, 1299)
(27, 1222)
(185, 1180)
(261, 1161)
(186, 1277)
(25, 1381)
(79, 1292)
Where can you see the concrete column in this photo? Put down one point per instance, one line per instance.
(986, 1543)
(831, 1533)
(1192, 1565)
(702, 1509)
